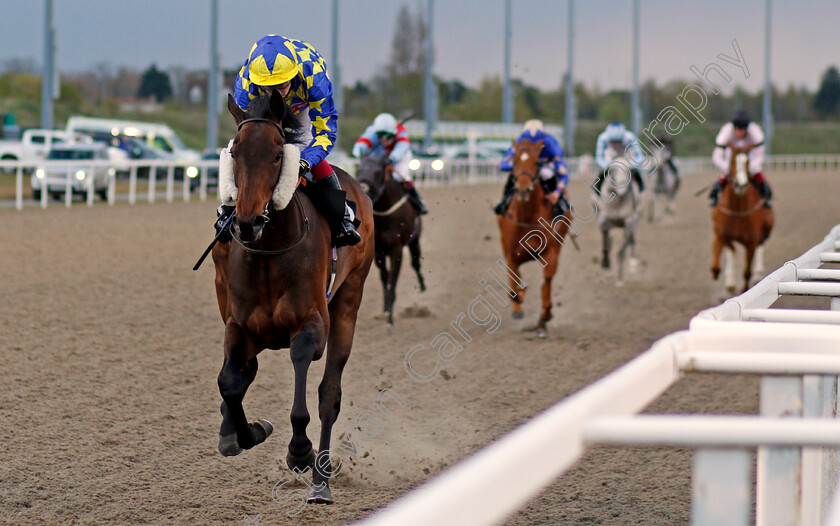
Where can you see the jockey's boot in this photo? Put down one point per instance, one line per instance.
(599, 182)
(222, 215)
(713, 193)
(637, 176)
(561, 206)
(502, 205)
(766, 193)
(347, 234)
(414, 198)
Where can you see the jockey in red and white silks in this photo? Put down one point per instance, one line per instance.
(387, 136)
(740, 133)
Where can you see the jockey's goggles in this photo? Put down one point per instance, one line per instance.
(384, 135)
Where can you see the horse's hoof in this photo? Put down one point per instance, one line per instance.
(301, 464)
(266, 427)
(540, 334)
(319, 495)
(633, 264)
(228, 446)
(518, 315)
(730, 289)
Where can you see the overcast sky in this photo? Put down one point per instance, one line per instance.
(468, 36)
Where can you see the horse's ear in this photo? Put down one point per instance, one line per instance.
(235, 110)
(277, 105)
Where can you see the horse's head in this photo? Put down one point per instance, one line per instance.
(526, 157)
(372, 175)
(265, 167)
(739, 168)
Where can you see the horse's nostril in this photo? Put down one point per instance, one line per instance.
(258, 222)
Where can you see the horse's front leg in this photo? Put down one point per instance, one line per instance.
(748, 263)
(305, 345)
(717, 248)
(518, 292)
(382, 265)
(343, 310)
(605, 246)
(238, 371)
(395, 259)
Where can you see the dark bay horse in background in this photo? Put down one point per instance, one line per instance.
(521, 225)
(271, 285)
(396, 225)
(665, 186)
(740, 217)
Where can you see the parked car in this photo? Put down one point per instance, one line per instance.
(52, 177)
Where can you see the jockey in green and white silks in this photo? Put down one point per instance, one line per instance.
(616, 137)
(388, 136)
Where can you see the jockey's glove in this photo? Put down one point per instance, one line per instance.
(304, 167)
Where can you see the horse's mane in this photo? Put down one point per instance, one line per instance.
(260, 108)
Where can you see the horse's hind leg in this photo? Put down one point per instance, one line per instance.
(414, 249)
(237, 373)
(729, 269)
(305, 345)
(343, 310)
(758, 261)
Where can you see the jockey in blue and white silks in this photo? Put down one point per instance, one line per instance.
(616, 138)
(299, 73)
(387, 136)
(553, 174)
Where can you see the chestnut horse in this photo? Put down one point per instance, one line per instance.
(521, 227)
(739, 217)
(396, 224)
(271, 285)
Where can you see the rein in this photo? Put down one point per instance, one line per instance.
(282, 250)
(736, 213)
(393, 208)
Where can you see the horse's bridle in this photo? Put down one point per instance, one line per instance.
(535, 175)
(276, 125)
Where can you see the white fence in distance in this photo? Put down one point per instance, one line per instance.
(454, 172)
(797, 355)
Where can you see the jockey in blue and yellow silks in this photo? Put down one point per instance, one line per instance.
(553, 174)
(299, 73)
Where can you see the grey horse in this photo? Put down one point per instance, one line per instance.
(619, 204)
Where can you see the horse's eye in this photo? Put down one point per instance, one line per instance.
(279, 157)
(232, 156)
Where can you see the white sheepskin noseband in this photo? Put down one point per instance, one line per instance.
(286, 185)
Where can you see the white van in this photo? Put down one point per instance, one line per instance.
(33, 145)
(156, 135)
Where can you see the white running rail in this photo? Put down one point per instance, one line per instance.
(797, 353)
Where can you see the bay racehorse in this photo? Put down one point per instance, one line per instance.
(272, 282)
(619, 204)
(740, 217)
(396, 225)
(529, 232)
